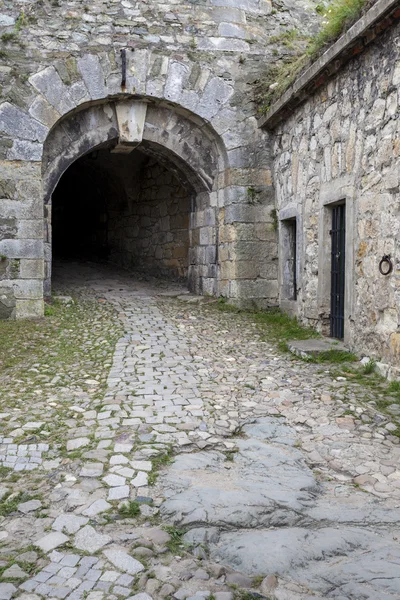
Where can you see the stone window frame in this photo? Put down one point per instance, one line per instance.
(290, 213)
(333, 193)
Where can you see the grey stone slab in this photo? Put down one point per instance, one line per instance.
(67, 572)
(89, 540)
(51, 541)
(25, 150)
(121, 591)
(226, 495)
(299, 552)
(93, 574)
(141, 465)
(140, 480)
(14, 572)
(69, 523)
(77, 443)
(30, 506)
(123, 561)
(287, 531)
(181, 594)
(114, 480)
(7, 590)
(70, 560)
(118, 493)
(29, 586)
(56, 556)
(216, 94)
(125, 580)
(177, 76)
(6, 20)
(96, 508)
(92, 470)
(313, 347)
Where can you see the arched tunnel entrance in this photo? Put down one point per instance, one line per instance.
(141, 193)
(130, 209)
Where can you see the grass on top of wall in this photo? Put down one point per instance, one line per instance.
(338, 17)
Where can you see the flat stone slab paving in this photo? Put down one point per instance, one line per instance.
(264, 512)
(191, 457)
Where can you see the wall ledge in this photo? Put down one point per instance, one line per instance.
(384, 14)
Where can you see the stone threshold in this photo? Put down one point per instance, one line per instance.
(308, 349)
(384, 14)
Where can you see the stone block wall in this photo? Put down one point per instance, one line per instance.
(343, 144)
(194, 63)
(21, 240)
(151, 233)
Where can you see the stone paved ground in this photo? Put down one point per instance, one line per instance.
(285, 480)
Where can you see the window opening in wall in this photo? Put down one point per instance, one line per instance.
(289, 230)
(338, 234)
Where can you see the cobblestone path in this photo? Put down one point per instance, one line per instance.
(274, 476)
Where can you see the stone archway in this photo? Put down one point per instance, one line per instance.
(182, 148)
(194, 121)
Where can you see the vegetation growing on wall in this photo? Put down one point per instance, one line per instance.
(12, 35)
(338, 17)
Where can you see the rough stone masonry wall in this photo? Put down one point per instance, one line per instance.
(151, 233)
(199, 58)
(344, 143)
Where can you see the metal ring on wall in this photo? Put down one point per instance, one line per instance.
(386, 259)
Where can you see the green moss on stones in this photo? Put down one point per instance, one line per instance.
(339, 16)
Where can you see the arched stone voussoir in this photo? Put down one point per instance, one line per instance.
(44, 112)
(181, 138)
(50, 85)
(193, 90)
(178, 83)
(198, 179)
(188, 143)
(17, 124)
(75, 136)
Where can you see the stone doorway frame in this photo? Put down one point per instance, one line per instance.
(339, 191)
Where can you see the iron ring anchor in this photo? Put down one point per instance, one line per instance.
(386, 258)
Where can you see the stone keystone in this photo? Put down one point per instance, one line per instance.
(131, 117)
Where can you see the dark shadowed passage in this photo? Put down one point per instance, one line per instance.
(129, 209)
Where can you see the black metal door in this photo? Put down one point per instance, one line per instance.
(338, 235)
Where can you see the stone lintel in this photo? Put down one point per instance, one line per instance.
(382, 15)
